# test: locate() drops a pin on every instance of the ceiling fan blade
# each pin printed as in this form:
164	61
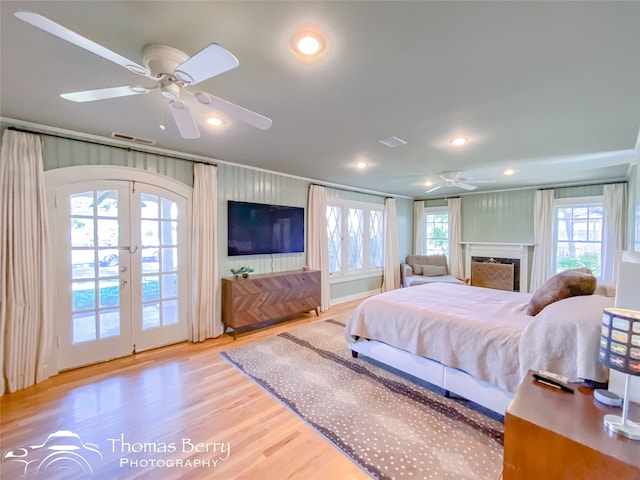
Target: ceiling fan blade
184	120
434	189
234	111
103	93
208	62
466	186
482	181
64	33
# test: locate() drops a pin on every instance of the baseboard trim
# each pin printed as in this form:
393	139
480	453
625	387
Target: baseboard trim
355	296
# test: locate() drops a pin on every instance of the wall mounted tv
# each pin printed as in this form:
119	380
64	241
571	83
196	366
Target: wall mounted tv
258	229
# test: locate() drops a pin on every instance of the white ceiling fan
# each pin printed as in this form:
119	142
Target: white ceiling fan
453	179
172	70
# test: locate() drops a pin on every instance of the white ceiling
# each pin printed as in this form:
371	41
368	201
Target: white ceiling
551	89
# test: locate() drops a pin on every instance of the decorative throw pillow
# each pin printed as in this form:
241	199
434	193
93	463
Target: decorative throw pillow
570	283
417	269
433	270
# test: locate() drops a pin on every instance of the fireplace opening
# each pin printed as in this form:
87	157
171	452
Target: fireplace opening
499	274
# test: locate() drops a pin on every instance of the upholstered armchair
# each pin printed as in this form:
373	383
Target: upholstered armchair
421	269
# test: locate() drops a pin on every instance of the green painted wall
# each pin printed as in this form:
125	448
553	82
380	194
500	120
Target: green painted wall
404	207
499	217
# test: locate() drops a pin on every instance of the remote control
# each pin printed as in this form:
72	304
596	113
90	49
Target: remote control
553	376
552	382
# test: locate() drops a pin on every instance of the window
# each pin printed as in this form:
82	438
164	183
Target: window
436	231
578	234
356	238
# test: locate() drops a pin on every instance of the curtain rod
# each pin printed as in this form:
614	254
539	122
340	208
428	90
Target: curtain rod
103	144
355	190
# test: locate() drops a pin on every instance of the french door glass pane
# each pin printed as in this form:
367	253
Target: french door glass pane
81	204
83	295
170	285
169	259
84	327
109	293
149	229
107	232
149	206
82	232
150	316
169	232
107	203
170	312
150	290
82	263
109	323
169	209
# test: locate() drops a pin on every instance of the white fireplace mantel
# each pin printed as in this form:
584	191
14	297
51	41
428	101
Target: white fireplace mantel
518	251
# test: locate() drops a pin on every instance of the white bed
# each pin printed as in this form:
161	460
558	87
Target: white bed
477	342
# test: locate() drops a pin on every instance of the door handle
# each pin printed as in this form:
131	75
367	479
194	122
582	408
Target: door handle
122	283
135	249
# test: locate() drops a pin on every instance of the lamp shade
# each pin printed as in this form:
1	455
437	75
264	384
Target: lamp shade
620	340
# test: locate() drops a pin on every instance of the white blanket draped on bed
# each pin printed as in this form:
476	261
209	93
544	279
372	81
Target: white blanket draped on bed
486	332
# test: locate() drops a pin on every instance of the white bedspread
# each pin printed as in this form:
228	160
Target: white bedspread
485	332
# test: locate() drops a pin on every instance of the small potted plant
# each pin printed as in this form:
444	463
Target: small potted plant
244	271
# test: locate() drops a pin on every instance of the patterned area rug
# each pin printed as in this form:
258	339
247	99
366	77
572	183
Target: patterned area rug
391	427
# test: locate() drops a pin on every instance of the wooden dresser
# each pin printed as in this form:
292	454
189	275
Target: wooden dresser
557	435
248	302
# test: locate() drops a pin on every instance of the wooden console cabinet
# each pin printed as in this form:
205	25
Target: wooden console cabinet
247	302
550	434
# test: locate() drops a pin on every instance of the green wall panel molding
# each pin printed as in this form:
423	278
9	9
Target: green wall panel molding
500	217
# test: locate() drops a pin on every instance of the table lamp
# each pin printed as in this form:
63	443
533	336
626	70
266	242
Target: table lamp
620	350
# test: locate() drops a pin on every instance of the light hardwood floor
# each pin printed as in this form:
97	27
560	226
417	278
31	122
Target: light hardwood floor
184	397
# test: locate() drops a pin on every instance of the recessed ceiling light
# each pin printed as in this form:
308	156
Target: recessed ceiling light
428	183
459	141
509	171
362	164
309	43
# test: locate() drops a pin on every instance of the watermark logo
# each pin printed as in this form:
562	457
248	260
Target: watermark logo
62	454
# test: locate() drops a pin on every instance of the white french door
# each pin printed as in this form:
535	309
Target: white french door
121	270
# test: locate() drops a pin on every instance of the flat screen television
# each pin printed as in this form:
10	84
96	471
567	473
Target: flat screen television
258	229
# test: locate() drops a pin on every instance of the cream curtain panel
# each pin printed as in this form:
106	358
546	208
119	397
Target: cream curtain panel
543	238
614	227
318	243
391	278
418	227
206	322
456	263
26	276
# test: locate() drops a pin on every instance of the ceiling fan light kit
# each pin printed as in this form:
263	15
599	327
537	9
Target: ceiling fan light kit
171	69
